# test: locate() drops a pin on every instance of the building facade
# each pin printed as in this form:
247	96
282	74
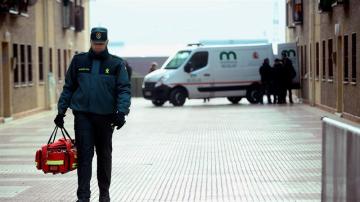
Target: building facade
37	41
327	33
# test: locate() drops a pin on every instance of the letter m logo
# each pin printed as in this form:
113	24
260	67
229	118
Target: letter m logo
288	53
228	55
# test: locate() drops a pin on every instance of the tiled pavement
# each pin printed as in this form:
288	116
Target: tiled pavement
200	152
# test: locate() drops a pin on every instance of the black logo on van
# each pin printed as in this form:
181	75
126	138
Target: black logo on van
288	53
229	55
228	59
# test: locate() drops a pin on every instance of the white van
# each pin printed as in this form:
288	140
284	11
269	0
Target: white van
210	71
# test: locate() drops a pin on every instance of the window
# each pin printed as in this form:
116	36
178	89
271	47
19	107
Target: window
59	63
325	5
198	60
68	14
50	60
330	59
305	61
302	61
15	7
294	13
41	65
310	62
298	11
317	60
178	60
29	59
353	58
22	64
79	18
346	58
324	59
15	63
65	62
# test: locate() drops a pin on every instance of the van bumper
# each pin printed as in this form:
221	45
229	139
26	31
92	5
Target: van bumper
156	93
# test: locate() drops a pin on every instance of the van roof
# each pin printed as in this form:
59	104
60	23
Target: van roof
201	47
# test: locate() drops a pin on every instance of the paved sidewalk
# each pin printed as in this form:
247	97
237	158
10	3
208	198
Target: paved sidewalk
200	152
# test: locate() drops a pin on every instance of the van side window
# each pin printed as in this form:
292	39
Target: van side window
198	60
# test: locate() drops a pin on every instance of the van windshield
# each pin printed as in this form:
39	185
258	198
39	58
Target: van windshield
178	60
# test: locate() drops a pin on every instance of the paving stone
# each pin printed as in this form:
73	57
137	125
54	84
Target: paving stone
212	151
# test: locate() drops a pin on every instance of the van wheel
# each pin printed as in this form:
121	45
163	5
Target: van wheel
178	97
158	103
253	94
234	100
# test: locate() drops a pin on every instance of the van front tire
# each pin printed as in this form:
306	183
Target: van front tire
158	103
178	97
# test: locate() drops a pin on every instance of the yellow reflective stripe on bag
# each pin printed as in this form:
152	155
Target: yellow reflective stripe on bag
74	165
54	163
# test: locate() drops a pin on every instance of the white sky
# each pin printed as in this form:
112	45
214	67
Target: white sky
159	27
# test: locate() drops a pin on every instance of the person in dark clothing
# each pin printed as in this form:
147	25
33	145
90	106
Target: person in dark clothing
97	89
266	80
290	74
279	82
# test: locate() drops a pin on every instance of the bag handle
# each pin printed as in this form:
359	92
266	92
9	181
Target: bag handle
63	132
67	134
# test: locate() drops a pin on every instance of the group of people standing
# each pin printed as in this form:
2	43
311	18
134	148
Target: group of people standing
277	80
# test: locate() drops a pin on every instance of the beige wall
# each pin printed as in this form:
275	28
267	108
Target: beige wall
330	93
42	27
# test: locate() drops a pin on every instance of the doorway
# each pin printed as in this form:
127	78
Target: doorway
5	91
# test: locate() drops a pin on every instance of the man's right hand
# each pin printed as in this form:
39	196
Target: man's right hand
118	120
59	120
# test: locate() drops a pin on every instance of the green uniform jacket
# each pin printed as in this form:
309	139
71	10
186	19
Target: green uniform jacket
99	86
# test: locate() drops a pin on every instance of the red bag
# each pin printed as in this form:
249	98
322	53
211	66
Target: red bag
57	156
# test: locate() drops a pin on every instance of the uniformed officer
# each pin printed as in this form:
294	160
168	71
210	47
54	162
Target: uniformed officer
97	89
290	74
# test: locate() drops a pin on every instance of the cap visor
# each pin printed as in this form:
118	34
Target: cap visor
98	42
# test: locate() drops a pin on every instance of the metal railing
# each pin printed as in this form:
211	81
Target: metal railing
340	161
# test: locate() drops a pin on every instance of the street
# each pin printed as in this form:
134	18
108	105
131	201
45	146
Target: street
212	151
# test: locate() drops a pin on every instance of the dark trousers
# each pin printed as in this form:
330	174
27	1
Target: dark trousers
266	89
92	130
290	95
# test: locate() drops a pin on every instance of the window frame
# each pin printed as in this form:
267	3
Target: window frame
346	59
30	65
330	59
59	73
51	69
15	54
65	61
323	60
317	60
41	64
23	79
353	58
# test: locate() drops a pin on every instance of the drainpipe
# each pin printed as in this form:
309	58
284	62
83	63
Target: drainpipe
46	53
313	52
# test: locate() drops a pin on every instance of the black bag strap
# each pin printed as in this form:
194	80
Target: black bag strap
63	132
53	134
67	134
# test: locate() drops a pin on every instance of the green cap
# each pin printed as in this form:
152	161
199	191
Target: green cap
98	34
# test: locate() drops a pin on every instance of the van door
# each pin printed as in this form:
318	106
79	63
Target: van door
200	79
